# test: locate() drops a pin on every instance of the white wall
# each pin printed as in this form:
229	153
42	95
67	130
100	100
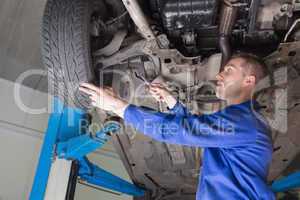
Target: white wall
19	149
21	137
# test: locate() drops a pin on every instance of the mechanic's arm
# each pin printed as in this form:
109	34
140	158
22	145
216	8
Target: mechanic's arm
104	98
192	130
161	94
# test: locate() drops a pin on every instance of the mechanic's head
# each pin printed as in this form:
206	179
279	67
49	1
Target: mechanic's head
239	77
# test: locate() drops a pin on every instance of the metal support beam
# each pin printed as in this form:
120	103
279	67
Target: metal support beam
44	165
97	176
290	182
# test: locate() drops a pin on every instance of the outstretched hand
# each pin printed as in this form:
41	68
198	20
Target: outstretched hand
161	94
104	98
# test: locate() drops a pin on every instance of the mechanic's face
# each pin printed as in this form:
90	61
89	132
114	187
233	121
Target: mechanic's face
231	81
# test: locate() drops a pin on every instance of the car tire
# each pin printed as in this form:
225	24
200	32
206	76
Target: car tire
66	49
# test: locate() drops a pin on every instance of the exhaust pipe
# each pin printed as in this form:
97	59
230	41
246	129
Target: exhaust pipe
139	18
225	49
228	16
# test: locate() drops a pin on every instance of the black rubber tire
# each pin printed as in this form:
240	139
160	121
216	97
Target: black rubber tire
66	49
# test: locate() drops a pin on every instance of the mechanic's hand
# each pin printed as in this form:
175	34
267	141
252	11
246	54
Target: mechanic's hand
160	93
104	98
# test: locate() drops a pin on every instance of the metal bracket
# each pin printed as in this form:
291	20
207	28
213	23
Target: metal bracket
97	176
77	147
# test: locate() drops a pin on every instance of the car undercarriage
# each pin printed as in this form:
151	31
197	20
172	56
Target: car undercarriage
126	44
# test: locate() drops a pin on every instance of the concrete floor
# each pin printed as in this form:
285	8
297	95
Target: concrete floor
20	40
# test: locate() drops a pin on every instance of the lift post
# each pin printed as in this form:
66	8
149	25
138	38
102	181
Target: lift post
63	157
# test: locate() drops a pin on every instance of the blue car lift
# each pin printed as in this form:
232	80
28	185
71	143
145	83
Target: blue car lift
289	182
68	143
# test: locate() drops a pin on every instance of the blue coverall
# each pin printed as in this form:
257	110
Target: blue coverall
236	141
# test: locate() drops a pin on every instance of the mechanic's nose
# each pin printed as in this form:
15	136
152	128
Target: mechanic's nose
219	76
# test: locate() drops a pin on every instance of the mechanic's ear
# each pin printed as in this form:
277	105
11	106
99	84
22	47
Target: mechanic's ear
250	80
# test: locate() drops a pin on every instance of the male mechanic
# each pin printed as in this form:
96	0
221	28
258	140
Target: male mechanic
236	141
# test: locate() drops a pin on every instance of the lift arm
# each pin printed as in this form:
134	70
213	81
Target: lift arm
67	142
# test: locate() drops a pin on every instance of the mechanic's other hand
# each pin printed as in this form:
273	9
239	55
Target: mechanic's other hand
160	93
104	98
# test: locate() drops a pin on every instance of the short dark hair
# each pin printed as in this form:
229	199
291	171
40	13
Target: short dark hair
253	64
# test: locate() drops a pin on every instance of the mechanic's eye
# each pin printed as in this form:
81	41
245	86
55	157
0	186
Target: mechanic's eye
227	69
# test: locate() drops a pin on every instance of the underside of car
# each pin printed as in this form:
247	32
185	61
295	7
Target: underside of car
127	43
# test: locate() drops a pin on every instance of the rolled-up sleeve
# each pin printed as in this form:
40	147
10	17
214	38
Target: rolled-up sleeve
192	130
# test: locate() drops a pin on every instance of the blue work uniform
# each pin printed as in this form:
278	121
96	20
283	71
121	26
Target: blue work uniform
236	141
